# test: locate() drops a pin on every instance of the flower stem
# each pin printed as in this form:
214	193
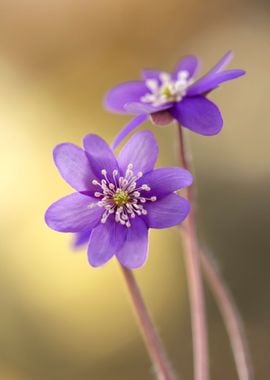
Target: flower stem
221	293
231	318
198	315
148	330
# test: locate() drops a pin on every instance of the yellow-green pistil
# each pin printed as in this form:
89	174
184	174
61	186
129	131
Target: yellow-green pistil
166	91
121	197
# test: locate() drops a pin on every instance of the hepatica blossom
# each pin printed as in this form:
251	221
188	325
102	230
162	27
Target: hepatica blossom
118	199
177	95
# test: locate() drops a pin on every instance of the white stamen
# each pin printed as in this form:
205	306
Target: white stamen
121	197
169	90
164	77
152	84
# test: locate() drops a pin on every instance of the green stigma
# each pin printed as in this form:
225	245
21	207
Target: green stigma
121	197
166	91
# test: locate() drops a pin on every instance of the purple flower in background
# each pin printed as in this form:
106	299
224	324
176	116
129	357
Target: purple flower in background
176	95
117	199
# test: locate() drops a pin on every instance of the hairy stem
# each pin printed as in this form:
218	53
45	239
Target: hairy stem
225	302
192	259
230	316
149	333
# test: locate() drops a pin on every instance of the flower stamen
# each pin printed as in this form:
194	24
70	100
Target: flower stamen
121	197
166	89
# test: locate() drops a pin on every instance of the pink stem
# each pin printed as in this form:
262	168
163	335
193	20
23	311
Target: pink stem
148	330
221	293
230	316
198	315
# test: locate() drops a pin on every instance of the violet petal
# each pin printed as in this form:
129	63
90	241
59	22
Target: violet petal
166	212
124	93
100	155
81	238
105	240
127	129
223	62
189	63
211	81
73	165
133	253
141	151
164	181
145	108
151	74
73	213
199	115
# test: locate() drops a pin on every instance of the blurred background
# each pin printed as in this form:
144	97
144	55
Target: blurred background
60	318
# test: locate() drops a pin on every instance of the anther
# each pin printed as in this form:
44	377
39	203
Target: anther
146	188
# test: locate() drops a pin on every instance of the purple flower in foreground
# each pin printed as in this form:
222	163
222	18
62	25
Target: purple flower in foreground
177	95
117	199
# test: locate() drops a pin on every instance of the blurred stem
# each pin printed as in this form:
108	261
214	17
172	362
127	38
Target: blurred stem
231	318
225	302
192	259
149	333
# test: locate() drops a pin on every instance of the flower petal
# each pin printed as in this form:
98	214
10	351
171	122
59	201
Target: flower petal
223	62
141	151
166	212
199	115
164	181
145	108
211	81
105	240
100	155
124	93
127	129
73	213
81	238
189	63
151	74
134	251
73	165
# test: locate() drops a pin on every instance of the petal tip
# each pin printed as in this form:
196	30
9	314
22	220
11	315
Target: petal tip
49	219
57	150
93	139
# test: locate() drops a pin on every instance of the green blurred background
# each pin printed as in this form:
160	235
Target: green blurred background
59	318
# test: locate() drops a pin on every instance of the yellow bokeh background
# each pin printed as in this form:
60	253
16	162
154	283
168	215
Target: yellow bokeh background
60	318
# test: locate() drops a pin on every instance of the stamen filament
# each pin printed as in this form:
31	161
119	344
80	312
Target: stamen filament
122	197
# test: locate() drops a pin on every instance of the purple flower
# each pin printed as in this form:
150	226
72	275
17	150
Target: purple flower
117	199
176	95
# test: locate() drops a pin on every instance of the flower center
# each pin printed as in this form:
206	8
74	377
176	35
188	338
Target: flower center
167	90
121	196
